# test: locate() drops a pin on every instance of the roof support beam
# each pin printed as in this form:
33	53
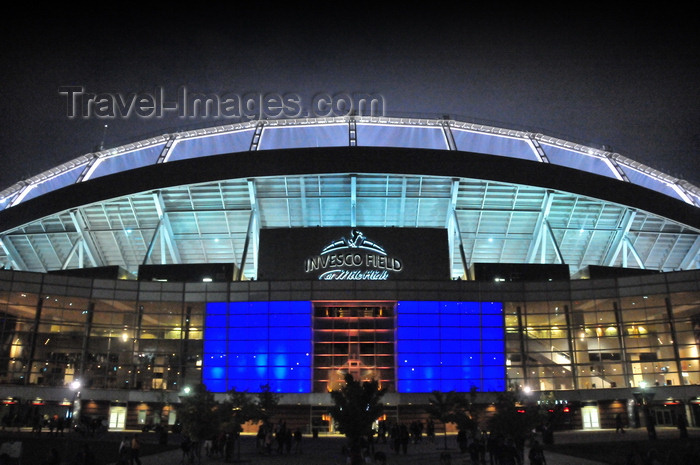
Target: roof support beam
668	254
447	132
537	148
557	250
353	200
88	245
165	229
618	239
149	250
251	233
302	197
452	225
462	253
537	234
352	130
402	208
78	245
15	258
244	257
635	254
38	256
253	193
690	260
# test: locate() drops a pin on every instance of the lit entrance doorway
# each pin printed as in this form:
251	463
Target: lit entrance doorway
355	337
589	415
117	418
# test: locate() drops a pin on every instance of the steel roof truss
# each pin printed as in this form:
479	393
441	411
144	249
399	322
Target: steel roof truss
78	247
402	211
12	254
691	256
618	238
165	230
635	254
557	249
537	236
669	252
88	244
302	197
353	200
452	225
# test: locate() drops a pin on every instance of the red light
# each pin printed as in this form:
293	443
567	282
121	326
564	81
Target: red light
566	409
521	410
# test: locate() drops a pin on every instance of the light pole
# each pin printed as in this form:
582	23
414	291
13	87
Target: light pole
74	413
644	398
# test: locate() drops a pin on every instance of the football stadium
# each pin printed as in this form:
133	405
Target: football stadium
427	254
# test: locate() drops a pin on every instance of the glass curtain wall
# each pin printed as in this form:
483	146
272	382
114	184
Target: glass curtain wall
57	352
128	338
538	349
629	341
51	339
17	314
597	344
686	317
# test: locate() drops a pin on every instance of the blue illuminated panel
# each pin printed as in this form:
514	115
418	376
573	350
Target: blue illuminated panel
447	346
249	344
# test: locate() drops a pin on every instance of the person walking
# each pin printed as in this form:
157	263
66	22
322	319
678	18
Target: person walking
683	426
186	446
536	454
404	438
136	450
297	441
619	427
651	425
124	451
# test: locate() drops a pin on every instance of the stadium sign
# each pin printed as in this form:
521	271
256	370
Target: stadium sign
353	258
353	254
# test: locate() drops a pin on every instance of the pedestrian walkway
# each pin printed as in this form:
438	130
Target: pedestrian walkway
327	450
324	457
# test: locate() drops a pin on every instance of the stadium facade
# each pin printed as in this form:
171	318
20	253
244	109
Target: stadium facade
429	254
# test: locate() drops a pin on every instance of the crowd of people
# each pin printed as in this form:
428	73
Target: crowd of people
475	447
278	437
55	424
130	450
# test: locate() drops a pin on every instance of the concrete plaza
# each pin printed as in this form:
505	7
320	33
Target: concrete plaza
327	450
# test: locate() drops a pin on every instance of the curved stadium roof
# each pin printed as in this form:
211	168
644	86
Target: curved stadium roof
201	196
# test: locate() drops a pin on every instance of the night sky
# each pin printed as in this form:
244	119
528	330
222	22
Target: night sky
630	83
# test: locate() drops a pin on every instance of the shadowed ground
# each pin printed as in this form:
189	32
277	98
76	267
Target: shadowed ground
570	448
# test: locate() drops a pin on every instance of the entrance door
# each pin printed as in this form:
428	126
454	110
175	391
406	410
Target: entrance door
117	418
590	417
664	417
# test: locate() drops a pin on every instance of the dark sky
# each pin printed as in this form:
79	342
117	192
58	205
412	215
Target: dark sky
629	82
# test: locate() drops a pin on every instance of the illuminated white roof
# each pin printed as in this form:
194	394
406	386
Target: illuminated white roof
487	220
